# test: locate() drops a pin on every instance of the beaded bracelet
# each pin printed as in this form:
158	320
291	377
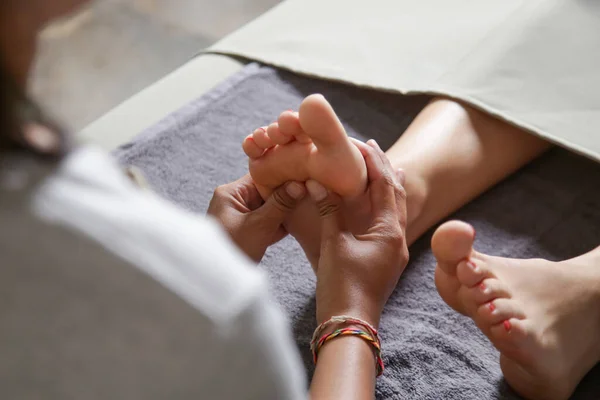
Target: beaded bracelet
369	334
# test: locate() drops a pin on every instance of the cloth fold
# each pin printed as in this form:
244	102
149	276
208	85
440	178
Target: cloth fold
533	63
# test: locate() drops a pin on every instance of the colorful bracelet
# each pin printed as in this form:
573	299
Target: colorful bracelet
369	334
342	319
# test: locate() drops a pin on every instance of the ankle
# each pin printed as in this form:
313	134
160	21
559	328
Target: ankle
417	191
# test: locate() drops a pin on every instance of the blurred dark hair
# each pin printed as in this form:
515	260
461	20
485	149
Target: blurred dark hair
16	110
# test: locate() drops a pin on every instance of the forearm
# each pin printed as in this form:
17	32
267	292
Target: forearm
346	369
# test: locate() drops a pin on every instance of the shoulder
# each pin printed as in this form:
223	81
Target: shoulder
186	252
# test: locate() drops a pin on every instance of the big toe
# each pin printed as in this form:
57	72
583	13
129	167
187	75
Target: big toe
319	121
451	243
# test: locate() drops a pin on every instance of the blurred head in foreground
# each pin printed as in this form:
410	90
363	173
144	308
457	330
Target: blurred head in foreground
20	120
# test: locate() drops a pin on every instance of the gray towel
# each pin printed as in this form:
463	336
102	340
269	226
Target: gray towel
550	209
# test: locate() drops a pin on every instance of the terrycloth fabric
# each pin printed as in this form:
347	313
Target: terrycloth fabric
550	209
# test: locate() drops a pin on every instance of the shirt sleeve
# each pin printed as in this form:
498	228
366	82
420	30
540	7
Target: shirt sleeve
249	351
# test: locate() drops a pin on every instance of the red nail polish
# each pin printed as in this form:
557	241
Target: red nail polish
507	325
491	306
482	287
472	265
290	110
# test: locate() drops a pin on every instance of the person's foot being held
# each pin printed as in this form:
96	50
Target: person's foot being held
543	317
308	144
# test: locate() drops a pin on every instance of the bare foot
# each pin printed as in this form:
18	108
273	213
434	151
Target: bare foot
310	144
543	317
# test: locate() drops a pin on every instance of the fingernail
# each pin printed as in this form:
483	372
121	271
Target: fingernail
472	265
295	190
507	325
491	306
316	190
401	176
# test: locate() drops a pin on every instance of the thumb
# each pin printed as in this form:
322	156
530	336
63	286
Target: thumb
281	202
328	205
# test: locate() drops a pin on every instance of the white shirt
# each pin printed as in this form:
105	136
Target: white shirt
244	348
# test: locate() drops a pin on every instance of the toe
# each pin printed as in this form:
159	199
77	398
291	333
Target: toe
251	149
289	124
262	139
511	331
277	136
486	291
471	298
471	272
452	243
497	311
319	121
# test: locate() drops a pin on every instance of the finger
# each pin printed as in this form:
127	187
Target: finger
400	193
281	202
371	150
244	190
382	185
360	145
328	204
401	176
375	166
387	165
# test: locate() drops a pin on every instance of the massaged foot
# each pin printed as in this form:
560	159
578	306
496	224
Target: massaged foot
543	317
310	144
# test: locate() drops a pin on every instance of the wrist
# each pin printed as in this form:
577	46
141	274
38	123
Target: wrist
370	315
344	327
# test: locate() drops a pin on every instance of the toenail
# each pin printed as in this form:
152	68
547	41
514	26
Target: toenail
482	287
507	325
491	306
472	265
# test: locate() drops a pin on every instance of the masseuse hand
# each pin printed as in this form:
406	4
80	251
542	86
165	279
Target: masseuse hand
357	272
252	223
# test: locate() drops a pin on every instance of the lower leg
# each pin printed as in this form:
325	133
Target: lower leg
451	154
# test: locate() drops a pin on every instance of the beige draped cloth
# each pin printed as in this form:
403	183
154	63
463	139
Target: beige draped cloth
534	63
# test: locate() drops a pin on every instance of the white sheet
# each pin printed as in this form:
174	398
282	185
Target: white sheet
535	63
